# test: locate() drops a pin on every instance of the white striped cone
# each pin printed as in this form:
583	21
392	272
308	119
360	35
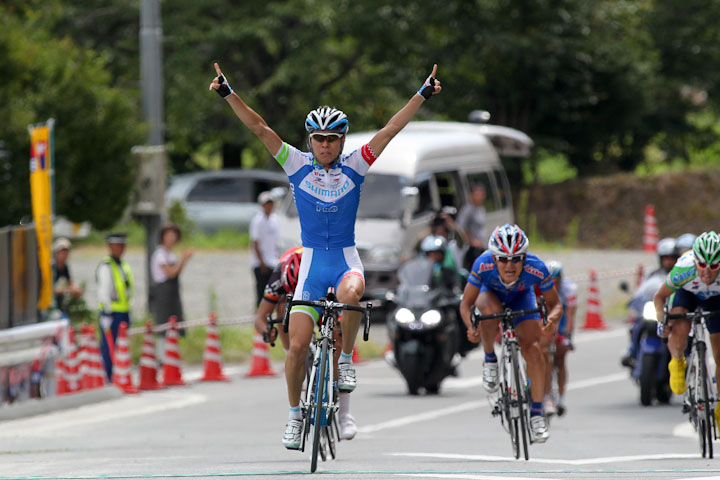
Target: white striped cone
84	357
97	368
260	359
172	364
212	357
148	363
650	233
72	364
121	367
593	314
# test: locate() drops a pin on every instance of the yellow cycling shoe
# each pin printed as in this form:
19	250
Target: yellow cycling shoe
717	413
677	375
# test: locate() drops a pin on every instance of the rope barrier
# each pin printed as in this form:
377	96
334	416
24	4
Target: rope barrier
244	320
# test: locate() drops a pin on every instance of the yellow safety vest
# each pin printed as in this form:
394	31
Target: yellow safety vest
122	286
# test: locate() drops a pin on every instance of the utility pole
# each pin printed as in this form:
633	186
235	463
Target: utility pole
151	182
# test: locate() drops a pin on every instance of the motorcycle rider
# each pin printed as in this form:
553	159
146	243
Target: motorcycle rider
444	273
668	254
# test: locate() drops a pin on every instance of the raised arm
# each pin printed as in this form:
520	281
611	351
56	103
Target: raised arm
247	115
403	117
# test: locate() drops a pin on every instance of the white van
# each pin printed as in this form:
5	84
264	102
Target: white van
427	166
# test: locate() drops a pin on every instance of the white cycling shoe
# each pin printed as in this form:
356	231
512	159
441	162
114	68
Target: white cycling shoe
293	434
538	429
490	377
549	407
347	380
348	429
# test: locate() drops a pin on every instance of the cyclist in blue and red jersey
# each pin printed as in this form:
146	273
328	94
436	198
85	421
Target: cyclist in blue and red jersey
326	186
504	277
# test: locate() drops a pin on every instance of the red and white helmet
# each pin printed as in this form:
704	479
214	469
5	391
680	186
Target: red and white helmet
508	240
290	270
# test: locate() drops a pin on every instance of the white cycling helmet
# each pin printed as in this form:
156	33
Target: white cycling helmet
685	242
326	119
508	240
555	268
707	248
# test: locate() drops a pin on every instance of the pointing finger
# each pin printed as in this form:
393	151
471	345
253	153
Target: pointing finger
217	69
434	71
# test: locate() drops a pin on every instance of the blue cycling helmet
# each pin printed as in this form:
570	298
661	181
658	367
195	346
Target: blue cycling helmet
555	268
326	119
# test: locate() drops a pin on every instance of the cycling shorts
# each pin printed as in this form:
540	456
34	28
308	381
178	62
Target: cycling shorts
517	300
687	300
321	269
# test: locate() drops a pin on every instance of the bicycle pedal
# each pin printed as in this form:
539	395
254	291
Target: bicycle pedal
685	408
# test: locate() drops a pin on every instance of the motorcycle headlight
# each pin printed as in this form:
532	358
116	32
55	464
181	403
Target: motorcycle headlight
404	316
649	311
384	255
431	318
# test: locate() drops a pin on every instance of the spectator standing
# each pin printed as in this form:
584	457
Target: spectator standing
115	289
471	223
264	236
165	268
63	285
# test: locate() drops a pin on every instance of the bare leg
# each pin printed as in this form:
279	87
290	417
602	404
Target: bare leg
301	330
350	291
528	334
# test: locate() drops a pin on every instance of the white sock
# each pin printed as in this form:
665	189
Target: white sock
344	401
295	413
345	358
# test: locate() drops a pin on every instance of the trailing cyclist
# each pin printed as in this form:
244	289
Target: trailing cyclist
326	186
503	277
567	292
693	282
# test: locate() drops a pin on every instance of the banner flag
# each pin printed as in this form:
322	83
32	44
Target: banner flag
41	171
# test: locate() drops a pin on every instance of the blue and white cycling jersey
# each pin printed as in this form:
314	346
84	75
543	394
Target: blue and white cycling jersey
327	201
521	295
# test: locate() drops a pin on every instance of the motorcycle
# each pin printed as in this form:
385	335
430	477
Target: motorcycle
650	365
424	328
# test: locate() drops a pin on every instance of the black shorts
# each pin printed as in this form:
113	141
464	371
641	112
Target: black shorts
685	299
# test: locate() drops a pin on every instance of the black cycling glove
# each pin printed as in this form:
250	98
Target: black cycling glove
427	88
224	89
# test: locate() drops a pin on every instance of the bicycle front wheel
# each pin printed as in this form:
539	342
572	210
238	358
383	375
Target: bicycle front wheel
706	430
318	407
522	396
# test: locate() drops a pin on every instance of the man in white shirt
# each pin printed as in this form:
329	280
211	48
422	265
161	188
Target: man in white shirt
264	235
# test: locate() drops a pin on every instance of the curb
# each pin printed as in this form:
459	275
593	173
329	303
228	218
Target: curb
33	407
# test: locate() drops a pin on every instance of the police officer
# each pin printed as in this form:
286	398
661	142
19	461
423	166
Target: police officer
115	289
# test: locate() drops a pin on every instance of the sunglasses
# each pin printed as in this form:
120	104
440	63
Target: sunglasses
513	259
330	137
703	265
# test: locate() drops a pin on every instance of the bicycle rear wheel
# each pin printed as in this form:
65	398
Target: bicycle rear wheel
318	407
521	385
706	432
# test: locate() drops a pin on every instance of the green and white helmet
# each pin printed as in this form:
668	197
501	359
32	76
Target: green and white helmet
707	248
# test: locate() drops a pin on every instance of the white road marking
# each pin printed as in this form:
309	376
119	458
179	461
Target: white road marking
433	414
128	406
582	461
466	476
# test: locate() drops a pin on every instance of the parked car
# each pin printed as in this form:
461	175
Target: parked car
216	199
427	167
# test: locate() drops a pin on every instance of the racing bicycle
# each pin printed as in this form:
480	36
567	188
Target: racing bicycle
321	399
700	395
513	402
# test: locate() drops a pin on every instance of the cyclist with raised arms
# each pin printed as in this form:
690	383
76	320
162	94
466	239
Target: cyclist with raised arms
504	277
326	185
695	283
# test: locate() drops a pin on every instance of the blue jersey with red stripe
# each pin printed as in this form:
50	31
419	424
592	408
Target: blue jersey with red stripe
485	275
327	201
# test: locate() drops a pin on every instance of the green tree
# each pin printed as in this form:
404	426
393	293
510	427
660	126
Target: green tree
96	125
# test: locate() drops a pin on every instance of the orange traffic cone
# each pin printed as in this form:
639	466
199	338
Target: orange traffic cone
260	359
85	379
97	369
593	315
148	363
650	235
121	367
212	358
172	368
356	358
72	364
